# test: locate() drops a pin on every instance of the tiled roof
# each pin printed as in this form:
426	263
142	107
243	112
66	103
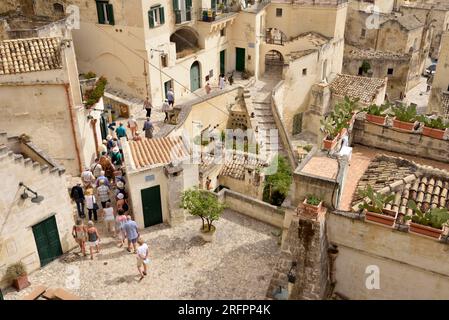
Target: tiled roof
410	22
149	152
370	54
427	186
314	38
364	88
29	55
235	166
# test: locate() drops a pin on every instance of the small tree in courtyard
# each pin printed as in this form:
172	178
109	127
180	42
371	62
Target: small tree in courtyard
278	184
203	204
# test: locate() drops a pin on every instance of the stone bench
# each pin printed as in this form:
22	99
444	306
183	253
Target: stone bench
36	293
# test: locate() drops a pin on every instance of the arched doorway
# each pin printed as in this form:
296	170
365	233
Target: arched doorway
186	41
195	76
274	63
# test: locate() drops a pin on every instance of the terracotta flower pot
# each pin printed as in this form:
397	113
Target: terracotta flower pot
375	119
406	126
310	210
21	282
425	230
387	218
433	133
330	144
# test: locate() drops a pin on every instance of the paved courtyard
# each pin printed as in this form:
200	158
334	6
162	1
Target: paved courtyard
237	265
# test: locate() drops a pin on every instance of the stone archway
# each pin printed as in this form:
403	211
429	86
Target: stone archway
186	41
274	63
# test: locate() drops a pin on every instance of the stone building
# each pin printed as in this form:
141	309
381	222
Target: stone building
158	170
40	90
380	42
439	96
35	228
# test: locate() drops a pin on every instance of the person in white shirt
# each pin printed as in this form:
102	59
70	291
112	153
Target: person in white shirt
96	168
132	125
109	218
91	204
87	177
142	257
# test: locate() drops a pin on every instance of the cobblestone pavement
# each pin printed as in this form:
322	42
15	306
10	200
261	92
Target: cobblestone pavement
237	265
419	95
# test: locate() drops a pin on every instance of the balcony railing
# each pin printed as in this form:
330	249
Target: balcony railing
180	18
211	15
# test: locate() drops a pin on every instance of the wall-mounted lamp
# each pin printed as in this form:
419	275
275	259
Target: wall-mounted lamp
36	199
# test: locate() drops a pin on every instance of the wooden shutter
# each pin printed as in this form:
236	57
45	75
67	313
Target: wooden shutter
213	4
175	5
151	18
161	15
100	12
188	4
110	14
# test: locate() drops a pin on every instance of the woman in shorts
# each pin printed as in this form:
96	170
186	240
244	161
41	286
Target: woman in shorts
79	232
93	238
120	221
109	218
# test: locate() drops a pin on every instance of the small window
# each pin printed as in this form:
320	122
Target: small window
156	16
105	13
447	88
360	71
278	12
223	32
390	71
164	60
57	7
304	71
363	33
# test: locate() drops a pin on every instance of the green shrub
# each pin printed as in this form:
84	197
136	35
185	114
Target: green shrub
90	75
94	95
405	113
376	110
438	123
313	200
376	201
15	271
434	217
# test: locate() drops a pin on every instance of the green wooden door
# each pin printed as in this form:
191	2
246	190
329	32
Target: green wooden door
46	236
151	204
222	61
240	59
195	82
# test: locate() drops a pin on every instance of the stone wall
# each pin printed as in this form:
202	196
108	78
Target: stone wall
380	137
256	209
409	266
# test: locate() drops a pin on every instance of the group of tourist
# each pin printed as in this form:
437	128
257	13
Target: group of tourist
102	194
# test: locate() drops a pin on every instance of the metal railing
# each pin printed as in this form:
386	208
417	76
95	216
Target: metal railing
211	15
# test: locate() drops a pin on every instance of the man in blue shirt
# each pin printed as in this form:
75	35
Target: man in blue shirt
121	131
131	233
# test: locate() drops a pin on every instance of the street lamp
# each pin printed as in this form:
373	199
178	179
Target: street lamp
36	199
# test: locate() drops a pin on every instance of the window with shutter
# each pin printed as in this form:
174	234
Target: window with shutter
110	11
100	12
161	15
151	18
213	4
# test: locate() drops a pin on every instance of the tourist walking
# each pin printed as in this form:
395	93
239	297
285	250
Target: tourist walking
132	125
132	233
208	88
142	257
137	137
77	195
93	239
109	143
121	202
87	178
120	221
96	168
107	166
104	178
148	128
121	131
147	106
103	193
222	81
109	219
91	204
171	97
79	232
103	148
116	157
166	109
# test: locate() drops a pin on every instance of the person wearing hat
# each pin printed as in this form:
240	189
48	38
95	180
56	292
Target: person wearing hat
93	238
91	204
121	203
103	147
137	137
109	143
132	125
116	157
166	108
148	128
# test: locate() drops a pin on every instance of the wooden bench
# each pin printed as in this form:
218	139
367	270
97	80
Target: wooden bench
36	293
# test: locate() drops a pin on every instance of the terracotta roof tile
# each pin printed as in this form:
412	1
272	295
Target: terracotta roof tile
364	88
29	55
148	152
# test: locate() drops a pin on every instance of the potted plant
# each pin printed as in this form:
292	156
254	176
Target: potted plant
429	223
434	128
328	126
312	206
373	205
375	113
205	205
17	274
405	117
